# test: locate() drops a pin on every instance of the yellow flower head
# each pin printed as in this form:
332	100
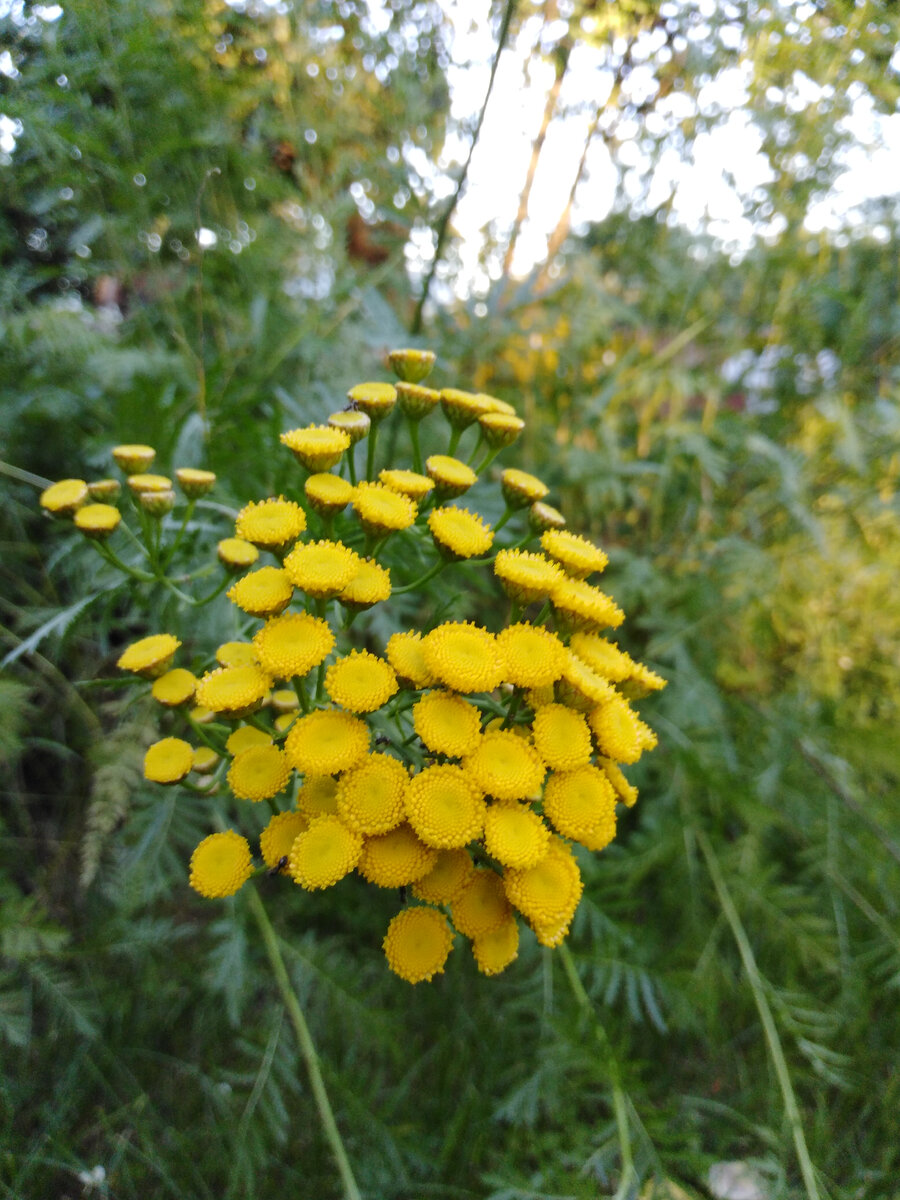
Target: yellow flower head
551	933
543	516
352	422
582	688
405	654
236	654
515	835
616	728
640	682
326	742
416	401
270	523
263	593
446	879
175	687
65	497
525	576
581	804
150	656
506	766
451	477
374	399
292	644
561	737
577	556
371	585
447	724
463	656
97	520
411	366
278	837
155	501
495	951
316	447
221	864
244	737
407	483
481	906
205	760
318	795
106	490
459	533
195	482
134	458
370	797
417	944
381	510
462	408
322	569
324	853
168	761
623	789
259	773
233	690
602	656
500	429
149	484
236	554
549	892
445	807
360	681
582	606
520	489
328	493
534	656
394	859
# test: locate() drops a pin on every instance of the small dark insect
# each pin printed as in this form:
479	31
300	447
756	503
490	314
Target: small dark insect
403	894
279	866
383	740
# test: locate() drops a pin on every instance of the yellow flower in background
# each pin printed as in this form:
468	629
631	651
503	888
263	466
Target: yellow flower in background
277	839
195	482
496	950
244	737
133	458
97	520
481	906
236	654
236	554
451	477
411	366
406	655
446	879
616	728
175	687
577	556
602	656
221	865
318	795
370	585
520	489
416	401
396	858
582	606
328	494
408	483
374	399
526	577
462	408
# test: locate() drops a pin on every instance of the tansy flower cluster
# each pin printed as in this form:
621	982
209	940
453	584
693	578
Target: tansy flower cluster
466	761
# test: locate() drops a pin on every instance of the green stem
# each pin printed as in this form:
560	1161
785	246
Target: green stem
113	559
509	512
414	439
455	435
629	1179
307	1048
170	553
488	459
757	985
417	583
370	451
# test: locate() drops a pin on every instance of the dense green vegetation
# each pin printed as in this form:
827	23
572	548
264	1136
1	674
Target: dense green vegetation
726	428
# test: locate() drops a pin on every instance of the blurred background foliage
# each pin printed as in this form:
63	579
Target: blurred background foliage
213	219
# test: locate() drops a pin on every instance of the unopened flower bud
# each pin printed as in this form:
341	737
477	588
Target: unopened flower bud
194	482
132	459
411	366
157	504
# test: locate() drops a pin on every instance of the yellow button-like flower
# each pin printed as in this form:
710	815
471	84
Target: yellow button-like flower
236	654
445	807
324	853
561	737
292	644
416	401
462	408
326	742
543	516
271	523
221	864
205	760
168	760
515	835
66	497
504	765
259	773
277	839
623	789
318	795
411	366
328	493
149	484
374	399
616	727
233	690
446	879
481	906
106	490
548	892
150	656
371	585
395	859
602	656
533	656
244	737
417	944
381	510
581	804
640	681
451	477
520	489
360	681
97	520
370	797
133	458
582	688
316	447
263	593
459	533
447	724
405	653
175	687
500	429
322	569
408	483
496	950
582	606
352	422
236	554
577	556
195	482
526	577
463	656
